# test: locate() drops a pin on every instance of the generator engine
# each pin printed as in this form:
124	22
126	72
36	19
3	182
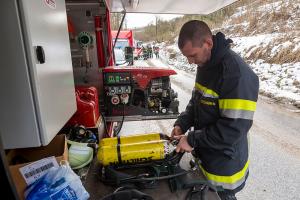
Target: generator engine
161	95
137	91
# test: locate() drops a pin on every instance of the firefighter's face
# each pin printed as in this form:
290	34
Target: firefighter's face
197	54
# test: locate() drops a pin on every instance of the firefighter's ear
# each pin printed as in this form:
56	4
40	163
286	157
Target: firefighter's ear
209	42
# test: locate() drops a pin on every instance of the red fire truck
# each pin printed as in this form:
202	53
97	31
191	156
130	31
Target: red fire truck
126	39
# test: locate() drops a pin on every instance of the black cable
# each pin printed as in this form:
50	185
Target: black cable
105	125
119	30
122	121
112	51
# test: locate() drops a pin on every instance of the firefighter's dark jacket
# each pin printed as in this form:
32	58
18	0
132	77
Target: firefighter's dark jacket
221	111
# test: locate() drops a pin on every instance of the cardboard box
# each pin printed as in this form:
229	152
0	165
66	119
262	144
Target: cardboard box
57	147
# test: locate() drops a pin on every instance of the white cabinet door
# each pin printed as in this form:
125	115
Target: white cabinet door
45	27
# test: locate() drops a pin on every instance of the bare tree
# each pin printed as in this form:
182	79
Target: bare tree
116	19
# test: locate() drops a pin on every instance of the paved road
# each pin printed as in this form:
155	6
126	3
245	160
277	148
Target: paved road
274	153
274	146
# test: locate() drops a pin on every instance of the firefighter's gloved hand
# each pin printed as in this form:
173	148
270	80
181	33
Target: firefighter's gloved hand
183	145
176	132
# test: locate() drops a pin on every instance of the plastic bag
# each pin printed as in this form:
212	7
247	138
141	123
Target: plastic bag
59	183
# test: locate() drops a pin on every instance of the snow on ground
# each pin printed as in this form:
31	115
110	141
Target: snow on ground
270	7
242	44
276	80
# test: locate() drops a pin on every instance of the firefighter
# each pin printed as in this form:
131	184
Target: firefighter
149	51
156	51
220	110
145	53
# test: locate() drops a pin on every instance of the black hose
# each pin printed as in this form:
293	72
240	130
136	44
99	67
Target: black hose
132	180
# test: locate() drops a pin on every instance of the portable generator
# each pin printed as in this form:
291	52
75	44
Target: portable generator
139	92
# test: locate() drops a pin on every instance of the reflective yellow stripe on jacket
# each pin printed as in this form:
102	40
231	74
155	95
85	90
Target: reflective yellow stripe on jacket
237	108
227	182
205	91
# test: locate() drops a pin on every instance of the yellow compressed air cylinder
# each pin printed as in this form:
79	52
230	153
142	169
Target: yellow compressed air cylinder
133	139
133	149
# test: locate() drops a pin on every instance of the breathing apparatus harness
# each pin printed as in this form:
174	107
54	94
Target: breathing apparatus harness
150	174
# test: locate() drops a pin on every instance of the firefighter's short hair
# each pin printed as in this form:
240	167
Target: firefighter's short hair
195	31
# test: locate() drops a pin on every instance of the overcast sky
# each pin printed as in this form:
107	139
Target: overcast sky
135	20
